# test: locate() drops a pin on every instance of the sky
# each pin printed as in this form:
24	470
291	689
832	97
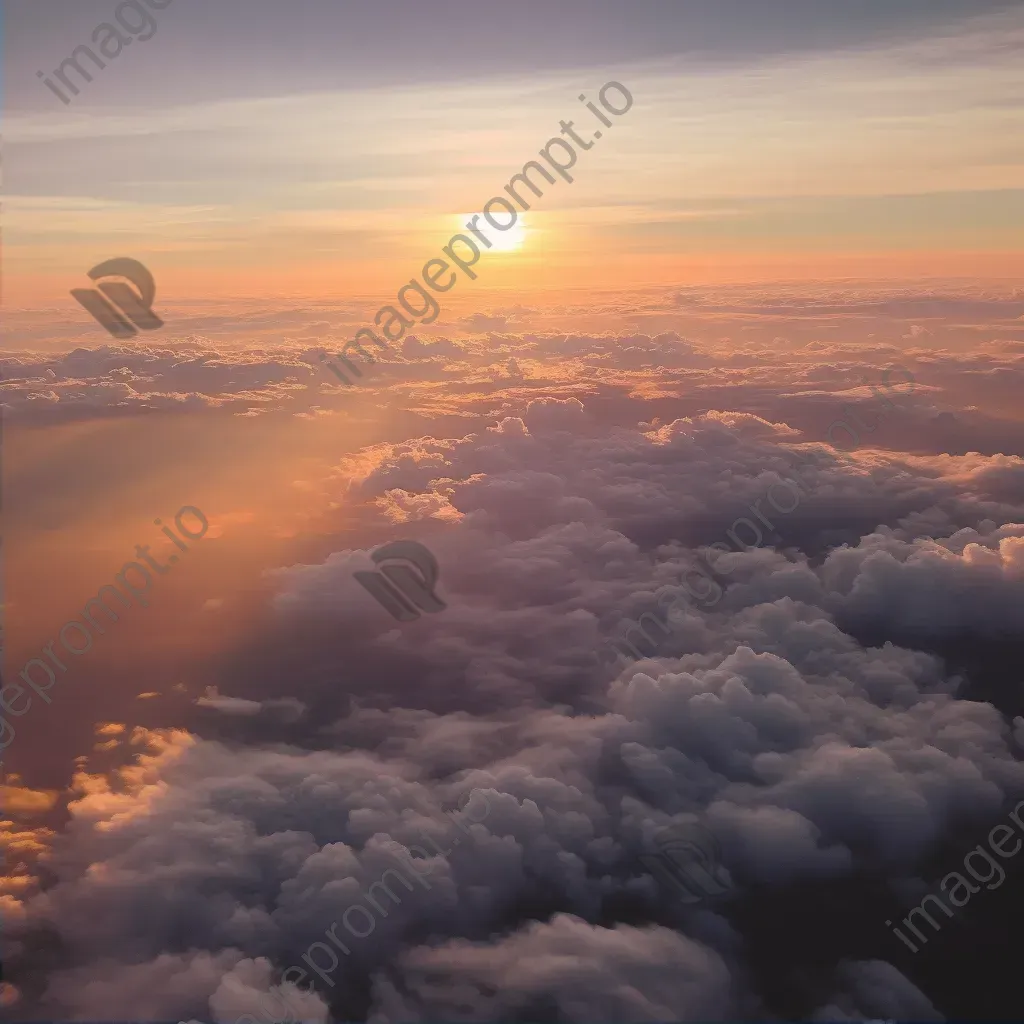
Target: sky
751	380
324	151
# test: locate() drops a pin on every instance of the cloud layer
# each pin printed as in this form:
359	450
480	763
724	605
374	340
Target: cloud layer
838	709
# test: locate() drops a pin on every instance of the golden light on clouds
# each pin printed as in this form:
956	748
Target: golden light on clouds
21	801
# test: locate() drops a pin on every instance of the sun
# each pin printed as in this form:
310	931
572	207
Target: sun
512	239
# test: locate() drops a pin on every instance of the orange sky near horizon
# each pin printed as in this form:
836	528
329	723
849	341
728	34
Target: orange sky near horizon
898	159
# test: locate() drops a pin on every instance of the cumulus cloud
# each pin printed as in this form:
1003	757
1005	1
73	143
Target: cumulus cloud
815	704
287	709
876	990
589	973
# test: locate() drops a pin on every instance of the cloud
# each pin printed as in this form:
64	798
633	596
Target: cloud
832	712
876	990
486	322
589	973
286	709
25	802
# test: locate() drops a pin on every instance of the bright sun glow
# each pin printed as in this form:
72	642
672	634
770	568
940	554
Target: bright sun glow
510	240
